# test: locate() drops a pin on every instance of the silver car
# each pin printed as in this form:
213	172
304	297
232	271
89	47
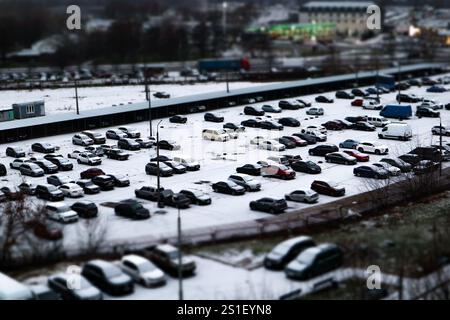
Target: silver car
248	182
307	196
142	271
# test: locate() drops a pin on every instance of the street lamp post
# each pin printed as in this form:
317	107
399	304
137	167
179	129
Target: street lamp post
149	99
180	259
76	97
440	144
158	175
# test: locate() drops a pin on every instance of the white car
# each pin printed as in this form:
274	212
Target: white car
215	135
233	134
321	129
74	154
130	132
393	171
188	163
371	105
372	147
82	140
142	271
271	145
257	140
71	190
315	133
89	159
116	134
61	212
17	163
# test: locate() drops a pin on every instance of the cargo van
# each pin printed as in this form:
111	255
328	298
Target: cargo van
396	130
11	289
397	112
378	121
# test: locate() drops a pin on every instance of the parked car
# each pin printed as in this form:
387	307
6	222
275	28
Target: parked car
27	188
62	285
15	152
253	111
128	144
116	134
289	105
71	190
349	144
85	209
88	187
298	142
427	112
108	277
60	212
97	137
399	131
117	154
358	155
285	252
303	103
328	188
144	143
105	182
322	150
175	200
436	89
234	127
288	143
341	158
315	112
161	95
392	170
323	99
47	166
306	167
82	140
270	205
409	98
150	193
306	196
333	125
91	173
250	169
398	163
188	163
425	166
120	180
289	122
49	193
178	119
160	158
89	159
131	209
164	170
63	164
17	163
142	271
344	95
278	171
249	183
131	133
168	145
167	258
363	126
228	187
320	137
359	93
251	123
211	117
441	130
215	135
197	197
31	169
43	147
315	261
270	125
412	159
371	171
271	145
310	140
59	180
372	147
428	153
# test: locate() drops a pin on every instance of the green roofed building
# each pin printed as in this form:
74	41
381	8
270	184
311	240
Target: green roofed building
297	31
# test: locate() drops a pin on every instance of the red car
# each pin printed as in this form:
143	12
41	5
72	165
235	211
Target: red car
358	103
298	142
358	155
92	173
45	232
333	125
278	171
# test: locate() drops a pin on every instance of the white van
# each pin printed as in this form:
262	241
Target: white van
396	130
378	121
11	289
216	135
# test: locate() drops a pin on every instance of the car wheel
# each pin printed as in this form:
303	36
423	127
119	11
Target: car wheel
79	162
272	211
377	152
361	150
358	174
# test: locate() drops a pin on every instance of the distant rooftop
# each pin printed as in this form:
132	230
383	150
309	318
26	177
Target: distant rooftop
338	4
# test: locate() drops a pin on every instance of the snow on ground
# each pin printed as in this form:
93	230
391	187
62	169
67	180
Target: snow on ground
225	209
63	100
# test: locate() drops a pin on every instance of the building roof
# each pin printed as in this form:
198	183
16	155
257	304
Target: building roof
338	4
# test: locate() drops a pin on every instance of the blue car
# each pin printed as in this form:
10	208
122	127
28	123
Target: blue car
436	89
371	172
349	144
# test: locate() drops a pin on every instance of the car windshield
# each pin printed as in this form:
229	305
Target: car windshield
310	163
284	168
52	188
146	267
63	208
198	193
173	254
112	272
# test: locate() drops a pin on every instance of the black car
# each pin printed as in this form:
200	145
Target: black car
144	143
47	166
359	93
120	180
160	159
63	164
3	171
117	154
344	95
97	137
289	144
288	105
273	206
428	153
271	109
167	145
175	200
176	167
356	119
287	251
27	188
306	167
108	277
15	152
152	169
62	286
43	148
228	187
88	187
340	158
363	126
371	172
403	97
49	193
85	209
310	139
322	150
402	86
425	166
289	122
148	193
104	182
197	197
323	99
398	163
161	95
251	123
427	112
233	127
129	144
411	159
252	111
131	209
178	119
250	169
269	125
211	117
57	181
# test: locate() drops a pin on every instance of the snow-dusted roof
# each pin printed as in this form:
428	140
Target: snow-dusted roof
201	99
338	4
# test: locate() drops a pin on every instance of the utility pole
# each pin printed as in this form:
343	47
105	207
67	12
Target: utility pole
228	82
399	77
149	99
180	259
76	97
440	145
158	175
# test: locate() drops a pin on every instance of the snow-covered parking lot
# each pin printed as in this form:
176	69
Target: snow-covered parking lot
225	209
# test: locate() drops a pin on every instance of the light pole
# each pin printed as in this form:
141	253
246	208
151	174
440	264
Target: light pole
158	176
149	99
76	97
180	259
440	144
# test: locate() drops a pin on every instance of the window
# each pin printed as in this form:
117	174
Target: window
30	109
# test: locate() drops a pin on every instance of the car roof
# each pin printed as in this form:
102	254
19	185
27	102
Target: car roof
166	248
102	264
135	259
295	240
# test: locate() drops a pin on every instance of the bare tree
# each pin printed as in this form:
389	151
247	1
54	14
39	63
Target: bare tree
92	235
